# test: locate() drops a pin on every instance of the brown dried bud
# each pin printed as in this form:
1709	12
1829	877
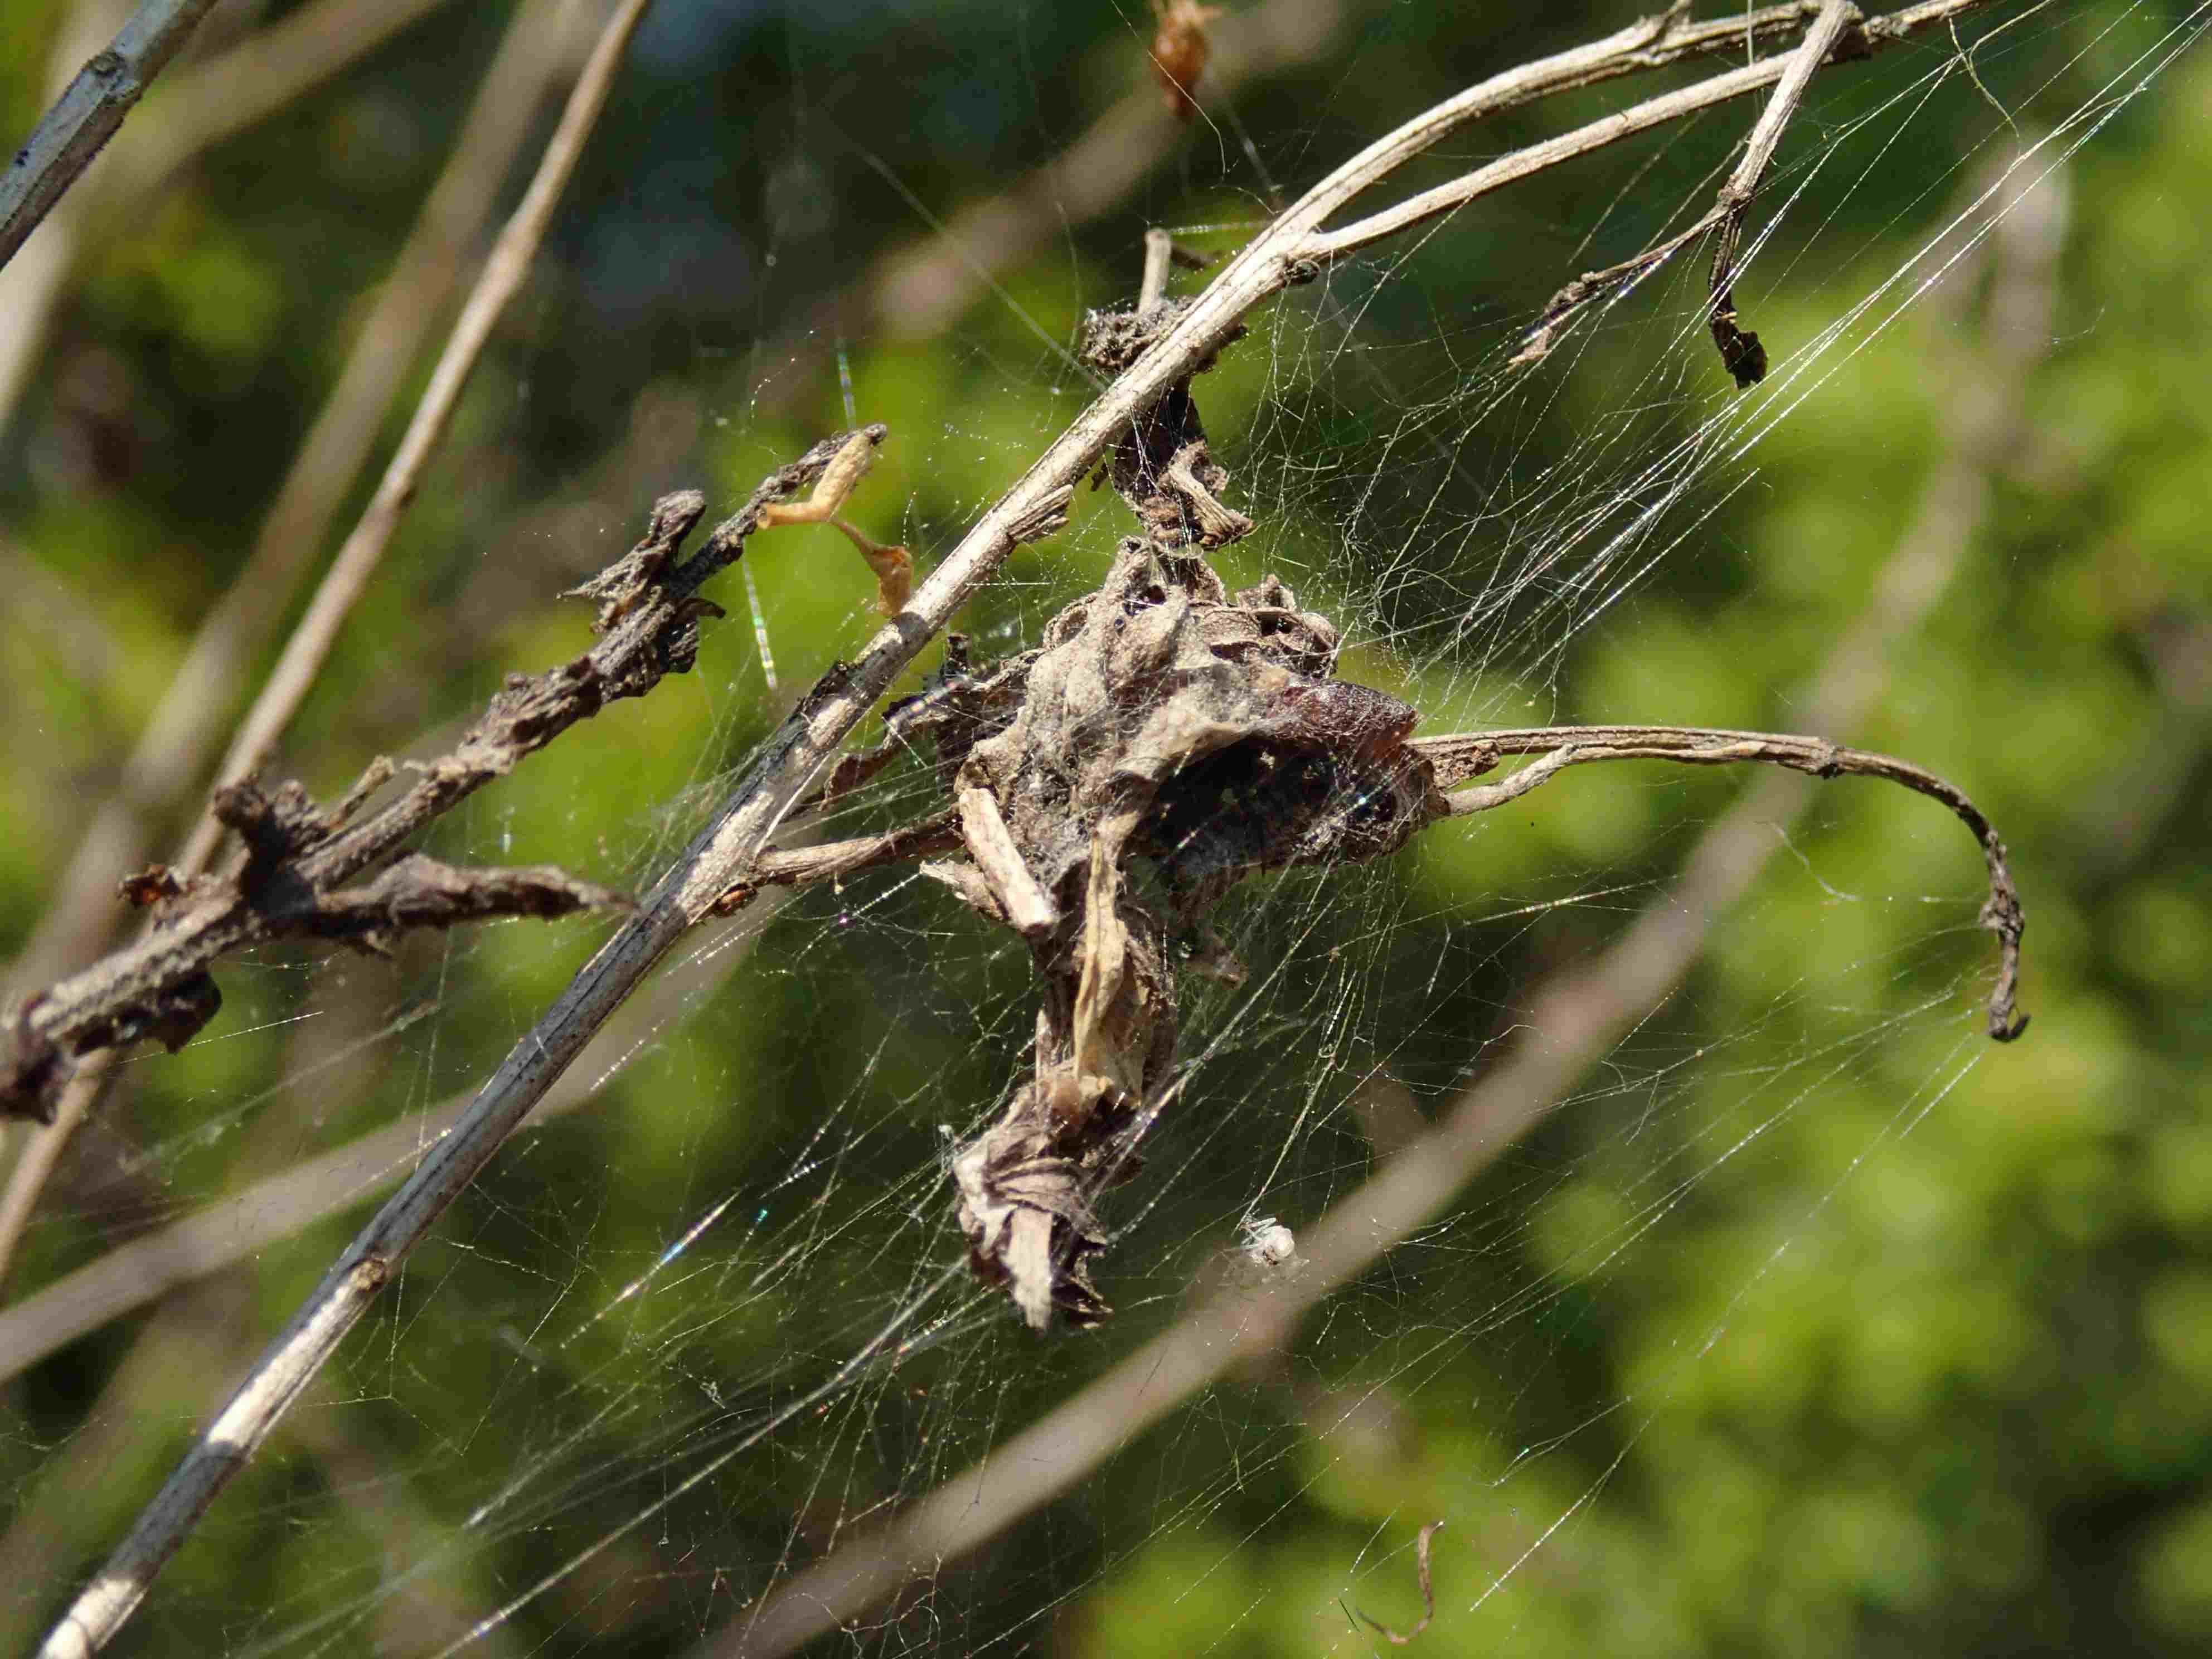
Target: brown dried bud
1180	49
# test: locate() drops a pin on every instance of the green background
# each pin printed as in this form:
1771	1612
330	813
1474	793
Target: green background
1815	1324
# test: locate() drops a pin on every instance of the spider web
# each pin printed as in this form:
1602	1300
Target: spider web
706	1325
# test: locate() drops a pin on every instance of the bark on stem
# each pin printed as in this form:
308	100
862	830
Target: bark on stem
85	117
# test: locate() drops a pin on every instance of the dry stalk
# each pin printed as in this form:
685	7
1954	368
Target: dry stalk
1292	249
199	105
1742	354
173	750
1837	31
916	292
1561	746
238	1227
85	117
171	755
339	873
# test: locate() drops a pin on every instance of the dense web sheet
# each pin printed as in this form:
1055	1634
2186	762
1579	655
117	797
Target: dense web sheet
704	1338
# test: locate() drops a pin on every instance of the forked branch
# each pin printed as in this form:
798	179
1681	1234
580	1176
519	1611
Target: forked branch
332	874
85	117
1833	37
1740	350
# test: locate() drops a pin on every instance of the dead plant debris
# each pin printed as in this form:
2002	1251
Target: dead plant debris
1164	727
1166	722
342	873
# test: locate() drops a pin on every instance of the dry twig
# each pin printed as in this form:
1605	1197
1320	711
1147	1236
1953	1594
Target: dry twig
916	292
335	874
1744	357
238	1227
87	114
1561	746
1563	308
173	750
200	104
1741	354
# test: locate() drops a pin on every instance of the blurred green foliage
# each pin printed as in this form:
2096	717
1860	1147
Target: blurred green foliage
1813	1326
